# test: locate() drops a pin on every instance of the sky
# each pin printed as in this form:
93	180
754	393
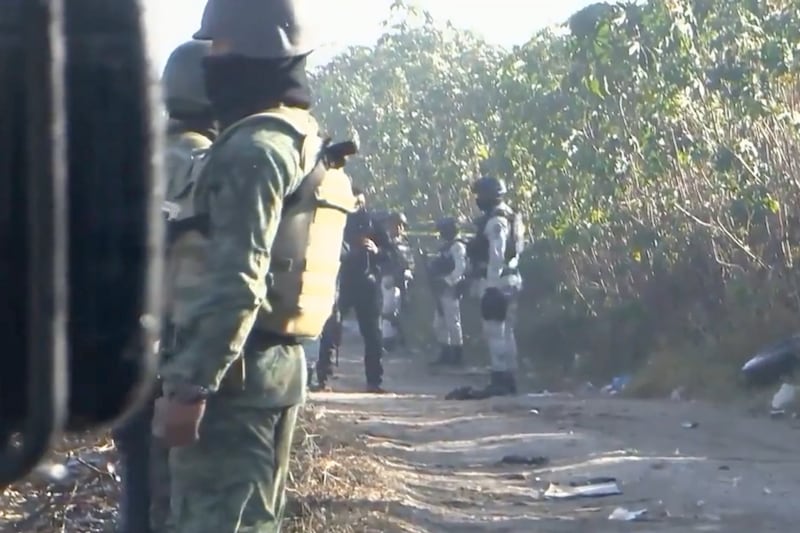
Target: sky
358	22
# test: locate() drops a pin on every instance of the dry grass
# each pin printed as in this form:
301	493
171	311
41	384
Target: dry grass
83	502
334	486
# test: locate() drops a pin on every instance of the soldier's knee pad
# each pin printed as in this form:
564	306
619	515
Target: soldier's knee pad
494	305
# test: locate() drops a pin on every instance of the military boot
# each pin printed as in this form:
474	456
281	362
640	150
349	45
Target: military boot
444	357
457	355
511	383
495	386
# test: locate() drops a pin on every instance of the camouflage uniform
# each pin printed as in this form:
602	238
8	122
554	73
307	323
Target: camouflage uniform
233	478
189	131
448	267
494	255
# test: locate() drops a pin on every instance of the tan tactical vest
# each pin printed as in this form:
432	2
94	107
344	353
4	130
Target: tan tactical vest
185	261
307	246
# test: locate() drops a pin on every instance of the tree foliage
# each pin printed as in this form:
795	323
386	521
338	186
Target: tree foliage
652	147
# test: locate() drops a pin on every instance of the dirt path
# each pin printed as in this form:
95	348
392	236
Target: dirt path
443	472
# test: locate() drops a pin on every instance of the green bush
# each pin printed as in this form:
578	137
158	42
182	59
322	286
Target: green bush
652	148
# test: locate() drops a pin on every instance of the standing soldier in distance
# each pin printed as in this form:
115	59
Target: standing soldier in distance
398	274
404	262
494	255
190	131
330	340
448	268
368	255
274	202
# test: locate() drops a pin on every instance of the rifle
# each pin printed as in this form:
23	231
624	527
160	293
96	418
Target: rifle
338	334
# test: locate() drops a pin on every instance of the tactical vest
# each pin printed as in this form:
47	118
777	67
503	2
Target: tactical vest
305	254
478	247
444	263
186	242
405	257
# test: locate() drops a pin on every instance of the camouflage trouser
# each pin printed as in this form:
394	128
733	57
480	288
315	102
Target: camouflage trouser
447	319
233	479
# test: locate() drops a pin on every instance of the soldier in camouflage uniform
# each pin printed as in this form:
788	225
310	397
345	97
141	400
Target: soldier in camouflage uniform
494	254
190	132
272	202
447	270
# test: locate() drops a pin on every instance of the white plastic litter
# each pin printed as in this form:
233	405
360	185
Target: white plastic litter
784	397
624	515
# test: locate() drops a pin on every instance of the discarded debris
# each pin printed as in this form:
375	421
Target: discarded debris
617	385
50	472
784	397
591	488
624	515
529	460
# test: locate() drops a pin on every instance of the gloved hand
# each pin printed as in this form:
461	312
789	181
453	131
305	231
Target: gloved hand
178	413
370	246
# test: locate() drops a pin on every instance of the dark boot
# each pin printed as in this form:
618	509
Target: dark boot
457	355
511	383
322	379
495	386
444	357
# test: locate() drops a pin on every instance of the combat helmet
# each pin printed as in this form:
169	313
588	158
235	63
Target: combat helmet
183	82
447	227
489	187
262	29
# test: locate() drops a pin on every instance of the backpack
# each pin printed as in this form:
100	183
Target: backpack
186	241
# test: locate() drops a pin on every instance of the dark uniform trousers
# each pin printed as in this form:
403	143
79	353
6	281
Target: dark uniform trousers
363	296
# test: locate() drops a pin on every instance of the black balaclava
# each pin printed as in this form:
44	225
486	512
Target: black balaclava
448	234
487	203
241	86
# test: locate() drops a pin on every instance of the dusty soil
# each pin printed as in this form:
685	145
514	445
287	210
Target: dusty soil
411	461
442	466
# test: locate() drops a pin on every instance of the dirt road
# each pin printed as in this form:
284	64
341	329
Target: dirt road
443	469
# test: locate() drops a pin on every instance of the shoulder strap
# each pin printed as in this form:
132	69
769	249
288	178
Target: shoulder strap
298	120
